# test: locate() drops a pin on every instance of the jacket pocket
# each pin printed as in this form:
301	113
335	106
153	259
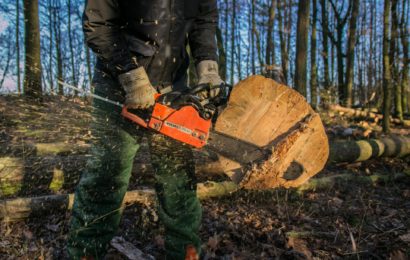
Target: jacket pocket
139	47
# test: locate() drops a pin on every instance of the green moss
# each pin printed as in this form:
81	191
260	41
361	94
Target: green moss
9	188
58	180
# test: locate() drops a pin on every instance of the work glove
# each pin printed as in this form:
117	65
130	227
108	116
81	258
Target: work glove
207	72
140	94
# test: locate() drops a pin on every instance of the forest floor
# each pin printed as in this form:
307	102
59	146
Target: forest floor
344	221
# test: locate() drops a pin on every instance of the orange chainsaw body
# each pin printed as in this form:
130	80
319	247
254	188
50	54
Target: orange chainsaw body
184	124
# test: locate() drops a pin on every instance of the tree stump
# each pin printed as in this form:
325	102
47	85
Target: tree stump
277	119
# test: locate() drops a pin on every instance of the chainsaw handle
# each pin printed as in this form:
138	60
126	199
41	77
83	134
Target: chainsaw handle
133	117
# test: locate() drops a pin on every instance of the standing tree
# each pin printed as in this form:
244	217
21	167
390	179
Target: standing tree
18	46
70	42
393	60
386	68
233	40
301	46
350	52
283	36
325	55
270	48
405	83
337	42
313	69
32	69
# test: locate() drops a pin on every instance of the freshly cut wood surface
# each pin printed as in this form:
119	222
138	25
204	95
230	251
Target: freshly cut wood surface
277	118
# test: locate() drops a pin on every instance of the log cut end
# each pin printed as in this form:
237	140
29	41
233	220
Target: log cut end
277	118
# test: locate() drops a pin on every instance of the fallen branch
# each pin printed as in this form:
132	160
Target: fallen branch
329	181
365	113
22	208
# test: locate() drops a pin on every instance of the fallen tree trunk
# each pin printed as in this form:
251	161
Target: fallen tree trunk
50	170
328	182
357	151
366	114
22	208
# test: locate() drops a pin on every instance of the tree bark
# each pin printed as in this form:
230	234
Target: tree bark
301	47
357	151
270	59
366	114
398	110
386	67
350	53
50	50
22	208
70	42
253	29
233	41
57	37
313	65
18	46
283	40
405	82
222	54
325	51
32	68
18	209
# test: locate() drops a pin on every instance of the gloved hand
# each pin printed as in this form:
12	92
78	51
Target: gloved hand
139	91
207	72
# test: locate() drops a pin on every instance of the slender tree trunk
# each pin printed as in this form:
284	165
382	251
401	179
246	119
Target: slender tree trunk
239	55
70	42
222	54
57	37
32	69
313	69
269	60
283	48
350	53
233	41
393	51
405	83
325	51
88	60
50	50
288	26
386	67
253	26
301	46
10	51
340	67
18	46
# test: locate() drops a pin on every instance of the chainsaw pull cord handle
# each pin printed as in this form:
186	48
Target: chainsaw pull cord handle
135	118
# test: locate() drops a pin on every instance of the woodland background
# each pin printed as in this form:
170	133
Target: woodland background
349	58
355	53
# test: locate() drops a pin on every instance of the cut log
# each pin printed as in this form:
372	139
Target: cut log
279	120
328	182
366	114
22	208
357	151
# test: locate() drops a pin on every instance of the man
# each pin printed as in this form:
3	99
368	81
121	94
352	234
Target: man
141	50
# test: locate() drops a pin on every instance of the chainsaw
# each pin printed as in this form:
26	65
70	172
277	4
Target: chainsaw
184	116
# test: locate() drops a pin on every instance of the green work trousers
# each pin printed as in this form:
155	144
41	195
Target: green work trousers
100	192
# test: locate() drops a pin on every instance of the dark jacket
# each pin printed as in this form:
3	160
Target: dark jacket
151	33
